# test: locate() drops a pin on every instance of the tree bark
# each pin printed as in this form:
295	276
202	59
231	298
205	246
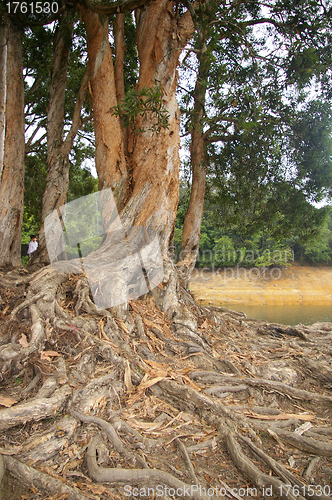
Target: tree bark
119	55
57	179
192	222
145	181
109	153
119	45
12	181
58	148
3	66
161	36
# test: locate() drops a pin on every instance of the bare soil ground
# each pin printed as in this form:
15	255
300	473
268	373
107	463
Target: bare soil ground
96	403
292	285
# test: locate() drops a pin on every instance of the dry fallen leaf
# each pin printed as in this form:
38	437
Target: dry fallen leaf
148	383
3	312
23	341
148	426
7	401
51	353
46	355
127	378
95	488
149	324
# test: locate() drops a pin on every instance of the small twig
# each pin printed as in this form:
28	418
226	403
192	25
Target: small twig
187	460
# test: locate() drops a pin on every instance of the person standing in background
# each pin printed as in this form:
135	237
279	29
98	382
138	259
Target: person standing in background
33	245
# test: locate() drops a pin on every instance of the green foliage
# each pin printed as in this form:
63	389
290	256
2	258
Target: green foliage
319	250
311	145
144	103
81	181
224	245
34	186
130	67
266	117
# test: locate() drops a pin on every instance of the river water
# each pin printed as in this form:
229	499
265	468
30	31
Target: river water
287	315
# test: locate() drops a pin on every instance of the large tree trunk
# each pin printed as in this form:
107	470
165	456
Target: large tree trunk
12	181
109	153
3	67
119	45
150	195
161	35
145	183
58	148
192	222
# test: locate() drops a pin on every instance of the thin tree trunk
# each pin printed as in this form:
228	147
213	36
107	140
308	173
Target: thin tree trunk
12	181
58	148
119	46
193	219
3	66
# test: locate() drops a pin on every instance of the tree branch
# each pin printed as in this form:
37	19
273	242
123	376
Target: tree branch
68	142
117	7
31	147
219	138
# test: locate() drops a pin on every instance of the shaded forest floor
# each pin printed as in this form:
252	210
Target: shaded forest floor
96	403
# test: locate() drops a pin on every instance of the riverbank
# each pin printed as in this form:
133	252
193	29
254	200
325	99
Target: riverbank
295	285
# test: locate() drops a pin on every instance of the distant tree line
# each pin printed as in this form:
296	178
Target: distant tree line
224	244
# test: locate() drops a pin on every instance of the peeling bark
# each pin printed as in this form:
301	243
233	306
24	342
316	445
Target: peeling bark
12	181
145	184
109	154
3	67
161	35
192	222
119	61
119	55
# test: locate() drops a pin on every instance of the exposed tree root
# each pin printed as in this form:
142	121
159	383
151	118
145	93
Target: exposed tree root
312	446
282	472
113	437
44	482
140	477
253	473
268	384
188	396
35	409
2	471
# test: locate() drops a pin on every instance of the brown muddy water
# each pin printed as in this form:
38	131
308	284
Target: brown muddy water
298	294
